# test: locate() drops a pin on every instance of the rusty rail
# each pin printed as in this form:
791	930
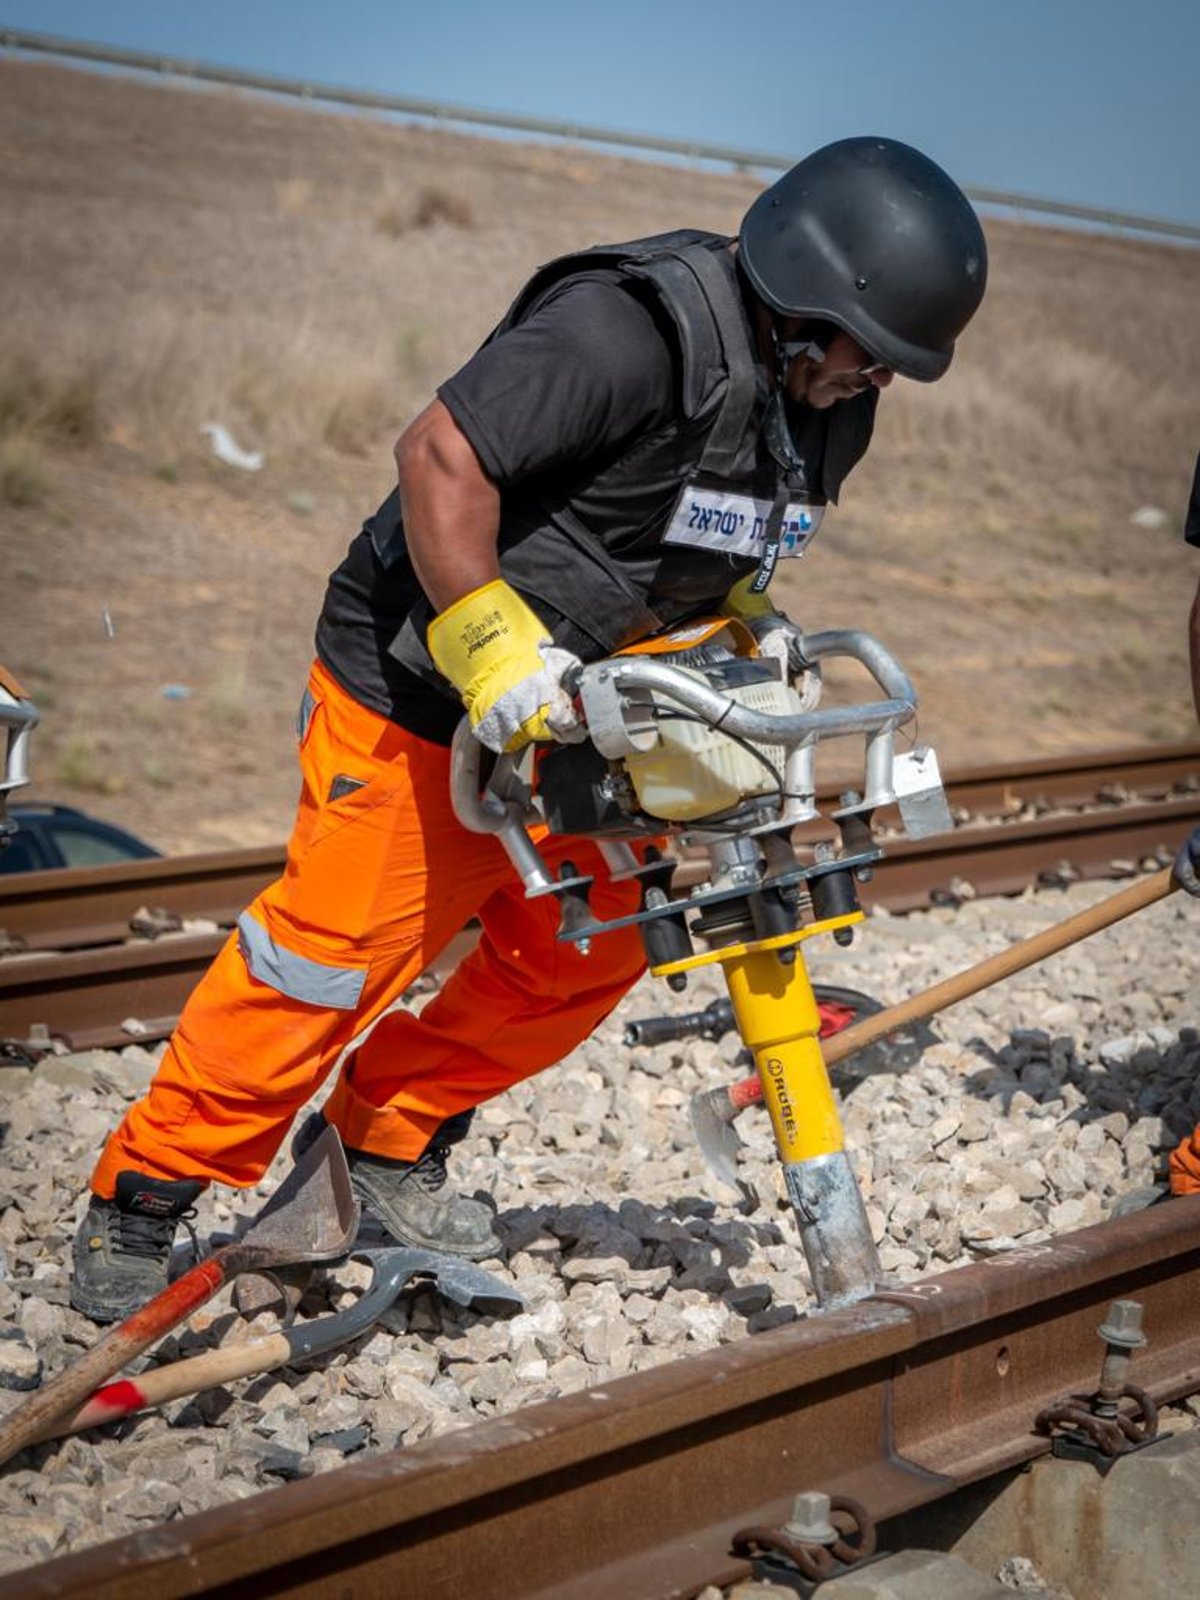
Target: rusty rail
81	906
638	1488
1007	859
1154	771
112	993
93	906
116	995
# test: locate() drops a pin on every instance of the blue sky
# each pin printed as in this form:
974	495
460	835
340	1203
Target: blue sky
1088	101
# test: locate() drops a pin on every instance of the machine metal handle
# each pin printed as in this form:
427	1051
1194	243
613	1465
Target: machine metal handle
628	674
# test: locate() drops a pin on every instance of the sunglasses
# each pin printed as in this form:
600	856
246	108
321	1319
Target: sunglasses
815	346
777	431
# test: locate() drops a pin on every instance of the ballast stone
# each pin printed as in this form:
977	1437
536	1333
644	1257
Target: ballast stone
628	1198
920	1575
20	1364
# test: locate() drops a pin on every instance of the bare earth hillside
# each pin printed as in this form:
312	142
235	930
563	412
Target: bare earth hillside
171	258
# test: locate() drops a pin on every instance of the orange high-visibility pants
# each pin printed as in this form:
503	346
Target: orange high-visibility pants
380	877
1185	1165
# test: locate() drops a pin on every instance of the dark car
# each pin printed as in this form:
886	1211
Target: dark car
60	836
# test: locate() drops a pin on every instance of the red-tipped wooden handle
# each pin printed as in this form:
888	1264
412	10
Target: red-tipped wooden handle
205	1371
115	1350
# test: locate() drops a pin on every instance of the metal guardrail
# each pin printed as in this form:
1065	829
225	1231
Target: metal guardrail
17	39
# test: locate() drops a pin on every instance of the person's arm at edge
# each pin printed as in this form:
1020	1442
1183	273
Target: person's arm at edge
1191	532
451	508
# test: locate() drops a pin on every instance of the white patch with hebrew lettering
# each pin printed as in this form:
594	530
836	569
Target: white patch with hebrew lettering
735	524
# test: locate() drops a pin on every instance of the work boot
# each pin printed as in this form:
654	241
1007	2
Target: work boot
406	1197
123	1245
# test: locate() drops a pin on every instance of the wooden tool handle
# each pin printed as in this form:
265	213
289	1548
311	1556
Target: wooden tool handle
171	1382
118	1347
745	1092
1015	959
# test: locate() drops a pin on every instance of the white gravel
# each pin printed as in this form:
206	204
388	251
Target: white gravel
1045	1099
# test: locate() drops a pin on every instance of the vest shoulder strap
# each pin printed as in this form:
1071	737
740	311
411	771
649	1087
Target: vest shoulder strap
728	434
698	290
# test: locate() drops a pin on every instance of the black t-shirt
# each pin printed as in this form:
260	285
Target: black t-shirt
591	369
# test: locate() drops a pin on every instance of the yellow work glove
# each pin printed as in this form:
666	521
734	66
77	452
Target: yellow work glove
500	657
774	633
744	605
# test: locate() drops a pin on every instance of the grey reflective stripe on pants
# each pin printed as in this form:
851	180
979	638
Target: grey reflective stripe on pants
299	977
304	716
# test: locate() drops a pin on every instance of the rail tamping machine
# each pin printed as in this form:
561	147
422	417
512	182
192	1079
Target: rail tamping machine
701	741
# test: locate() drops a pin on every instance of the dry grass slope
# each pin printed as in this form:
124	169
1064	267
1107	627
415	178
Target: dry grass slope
173	257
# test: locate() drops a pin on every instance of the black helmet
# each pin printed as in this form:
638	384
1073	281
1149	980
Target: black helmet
873	236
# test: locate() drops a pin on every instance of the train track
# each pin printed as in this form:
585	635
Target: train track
642	1487
74	973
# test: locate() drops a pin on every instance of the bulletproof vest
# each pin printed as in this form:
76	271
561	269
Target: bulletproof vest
662	533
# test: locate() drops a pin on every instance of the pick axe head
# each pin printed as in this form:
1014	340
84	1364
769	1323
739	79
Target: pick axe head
712	1113
395	1268
455	1279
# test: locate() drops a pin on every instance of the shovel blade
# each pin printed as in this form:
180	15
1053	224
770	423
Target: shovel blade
312	1216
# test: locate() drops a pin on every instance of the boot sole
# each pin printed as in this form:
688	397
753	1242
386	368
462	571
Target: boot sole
102	1311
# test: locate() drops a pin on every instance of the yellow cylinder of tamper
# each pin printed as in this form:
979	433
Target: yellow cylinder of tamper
779	1022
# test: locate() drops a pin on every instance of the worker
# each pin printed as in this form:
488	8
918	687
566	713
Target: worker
553	504
1184	1165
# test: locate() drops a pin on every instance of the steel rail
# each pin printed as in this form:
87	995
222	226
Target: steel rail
77	906
67	909
1050	850
1151	771
120	993
116	995
637	1488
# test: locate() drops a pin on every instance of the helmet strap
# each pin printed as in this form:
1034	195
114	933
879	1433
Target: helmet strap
777	436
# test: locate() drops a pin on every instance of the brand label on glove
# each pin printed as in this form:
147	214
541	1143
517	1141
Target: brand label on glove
735	524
